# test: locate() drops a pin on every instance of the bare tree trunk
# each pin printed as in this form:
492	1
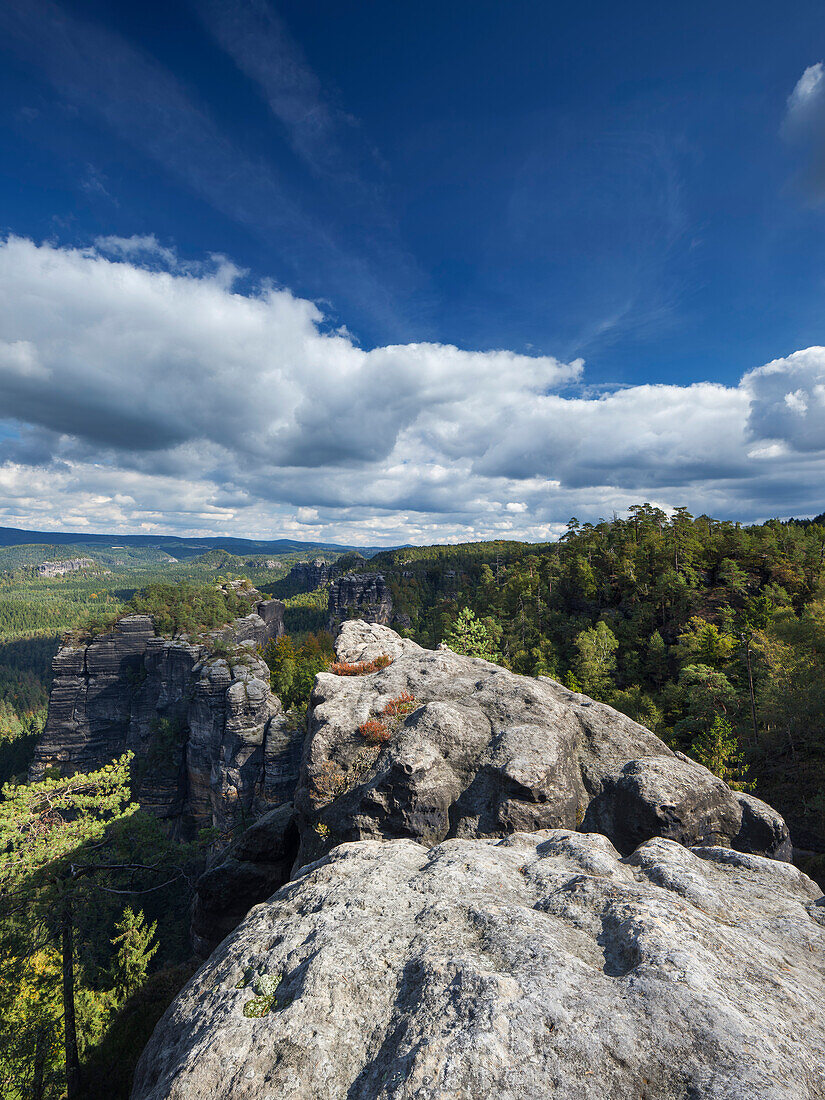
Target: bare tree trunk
69	1022
39	1064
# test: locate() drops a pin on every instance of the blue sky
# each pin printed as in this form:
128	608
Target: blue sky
469	268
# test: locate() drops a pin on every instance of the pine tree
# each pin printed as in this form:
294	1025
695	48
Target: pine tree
135	951
596	660
51	837
470	636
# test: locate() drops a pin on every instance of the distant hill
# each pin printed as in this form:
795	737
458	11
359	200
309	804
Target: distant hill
177	546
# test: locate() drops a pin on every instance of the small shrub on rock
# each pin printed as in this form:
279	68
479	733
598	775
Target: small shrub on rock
377	731
360	668
374	731
399	706
330	781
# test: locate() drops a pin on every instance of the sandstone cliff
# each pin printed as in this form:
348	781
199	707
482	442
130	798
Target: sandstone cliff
475	751
492	886
542	964
360	595
211	742
306	576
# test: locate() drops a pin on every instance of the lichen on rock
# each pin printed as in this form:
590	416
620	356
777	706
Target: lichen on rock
540	964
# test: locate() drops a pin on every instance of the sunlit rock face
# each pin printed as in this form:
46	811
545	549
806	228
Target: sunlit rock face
541	964
365	595
474	751
480	751
491	886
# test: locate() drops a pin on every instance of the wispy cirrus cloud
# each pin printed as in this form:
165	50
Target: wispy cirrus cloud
804	127
258	41
102	76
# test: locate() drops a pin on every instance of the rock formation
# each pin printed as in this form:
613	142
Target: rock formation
541	964
476	751
360	595
211	742
306	576
500	888
61	568
484	752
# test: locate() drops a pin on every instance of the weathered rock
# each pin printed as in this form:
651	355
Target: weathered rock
306	576
251	869
90	700
485	752
365	595
211	742
762	829
660	796
272	613
535	966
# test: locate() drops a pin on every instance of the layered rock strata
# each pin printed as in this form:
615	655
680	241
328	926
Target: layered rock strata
212	745
309	575
364	596
542	964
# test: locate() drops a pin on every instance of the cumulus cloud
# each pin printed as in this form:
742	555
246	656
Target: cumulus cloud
787	400
140	392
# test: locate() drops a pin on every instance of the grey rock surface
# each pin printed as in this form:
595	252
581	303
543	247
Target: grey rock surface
485	752
306	576
539	965
366	595
212	744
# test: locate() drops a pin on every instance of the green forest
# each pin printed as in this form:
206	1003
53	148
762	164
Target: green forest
709	632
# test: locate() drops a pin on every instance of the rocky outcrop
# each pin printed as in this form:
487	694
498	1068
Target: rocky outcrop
212	745
306	576
360	595
479	751
60	568
537	965
475	751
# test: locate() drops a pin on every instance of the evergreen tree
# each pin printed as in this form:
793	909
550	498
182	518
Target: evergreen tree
472	637
596	648
134	952
51	835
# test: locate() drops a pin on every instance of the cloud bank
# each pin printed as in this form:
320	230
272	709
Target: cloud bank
141	393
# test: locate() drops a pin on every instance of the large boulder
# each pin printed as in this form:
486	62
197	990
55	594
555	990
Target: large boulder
539	965
469	749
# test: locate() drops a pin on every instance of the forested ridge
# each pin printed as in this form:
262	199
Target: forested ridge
36	611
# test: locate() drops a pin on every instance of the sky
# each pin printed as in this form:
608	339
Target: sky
379	273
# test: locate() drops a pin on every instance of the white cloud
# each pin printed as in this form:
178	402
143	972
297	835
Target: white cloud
804	126
142	393
787	400
808	87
